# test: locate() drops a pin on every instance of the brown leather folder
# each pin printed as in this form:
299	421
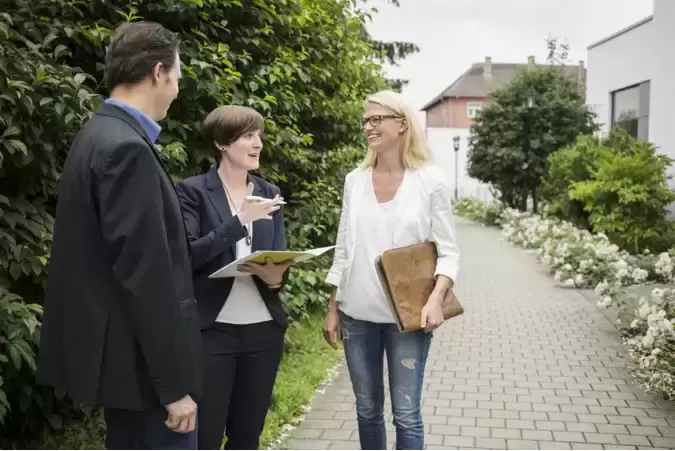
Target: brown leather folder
407	277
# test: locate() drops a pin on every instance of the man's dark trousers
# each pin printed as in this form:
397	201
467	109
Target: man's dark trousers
144	430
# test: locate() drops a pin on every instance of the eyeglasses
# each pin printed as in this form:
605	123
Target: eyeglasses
377	119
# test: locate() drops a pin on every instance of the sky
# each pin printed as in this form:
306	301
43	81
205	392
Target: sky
453	34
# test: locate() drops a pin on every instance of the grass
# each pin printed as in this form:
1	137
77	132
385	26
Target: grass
303	368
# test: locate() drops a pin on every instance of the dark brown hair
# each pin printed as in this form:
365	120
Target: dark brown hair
135	49
226	124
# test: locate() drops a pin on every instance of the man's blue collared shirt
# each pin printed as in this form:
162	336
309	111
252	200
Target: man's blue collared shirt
151	128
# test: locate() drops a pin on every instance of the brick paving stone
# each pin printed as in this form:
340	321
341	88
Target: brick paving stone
662	442
335	434
537	435
600	438
306	433
459	441
554	445
632	440
586	446
562	436
341	444
490	443
308	444
645	421
521	444
529	365
667	431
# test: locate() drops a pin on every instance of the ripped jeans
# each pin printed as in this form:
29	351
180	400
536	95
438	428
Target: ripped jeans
365	344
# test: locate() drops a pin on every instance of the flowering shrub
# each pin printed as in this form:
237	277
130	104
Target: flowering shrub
650	341
576	258
581	259
476	210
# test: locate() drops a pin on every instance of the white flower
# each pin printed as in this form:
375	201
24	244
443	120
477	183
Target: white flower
639	275
602	287
604	302
579	280
664	265
621	265
644	310
621	273
648	341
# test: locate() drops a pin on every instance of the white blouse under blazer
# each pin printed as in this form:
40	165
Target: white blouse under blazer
424	214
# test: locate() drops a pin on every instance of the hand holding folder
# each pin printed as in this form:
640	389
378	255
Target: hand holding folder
261	257
407	277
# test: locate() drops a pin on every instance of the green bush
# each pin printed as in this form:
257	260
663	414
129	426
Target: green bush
565	167
627	194
42	103
616	185
18	340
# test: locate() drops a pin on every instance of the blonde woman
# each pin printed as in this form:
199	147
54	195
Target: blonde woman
396	198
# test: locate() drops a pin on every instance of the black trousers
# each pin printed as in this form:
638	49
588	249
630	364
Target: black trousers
144	430
241	364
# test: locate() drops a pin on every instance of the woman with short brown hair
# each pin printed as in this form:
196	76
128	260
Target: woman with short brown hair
242	320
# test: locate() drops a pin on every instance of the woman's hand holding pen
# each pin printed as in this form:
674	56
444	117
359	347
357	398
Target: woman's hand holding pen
253	210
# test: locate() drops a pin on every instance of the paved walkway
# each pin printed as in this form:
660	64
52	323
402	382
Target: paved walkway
528	366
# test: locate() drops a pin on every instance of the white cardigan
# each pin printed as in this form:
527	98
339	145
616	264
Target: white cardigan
424	212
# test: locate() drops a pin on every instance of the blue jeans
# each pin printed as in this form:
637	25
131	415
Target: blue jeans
365	344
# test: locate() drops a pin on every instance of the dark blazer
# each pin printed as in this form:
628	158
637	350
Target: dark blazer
213	233
120	325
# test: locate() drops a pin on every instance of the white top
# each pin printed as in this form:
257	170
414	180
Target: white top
244	305
364	298
424	213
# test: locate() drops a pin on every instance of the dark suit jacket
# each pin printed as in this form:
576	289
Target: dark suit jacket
213	233
120	326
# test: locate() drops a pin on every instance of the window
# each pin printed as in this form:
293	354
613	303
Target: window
472	109
630	110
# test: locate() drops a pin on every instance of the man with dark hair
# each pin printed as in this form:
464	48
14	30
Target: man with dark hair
120	328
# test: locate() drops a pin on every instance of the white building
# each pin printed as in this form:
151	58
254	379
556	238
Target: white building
631	79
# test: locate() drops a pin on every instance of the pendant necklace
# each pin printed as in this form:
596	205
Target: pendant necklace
227	192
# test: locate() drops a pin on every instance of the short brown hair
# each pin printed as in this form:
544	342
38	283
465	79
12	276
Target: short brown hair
135	49
226	124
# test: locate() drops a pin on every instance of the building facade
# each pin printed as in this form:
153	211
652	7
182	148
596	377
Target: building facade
631	81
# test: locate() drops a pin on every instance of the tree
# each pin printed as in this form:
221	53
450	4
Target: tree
512	138
558	53
305	65
392	52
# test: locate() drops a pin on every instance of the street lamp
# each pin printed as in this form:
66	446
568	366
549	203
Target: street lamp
455	145
526	148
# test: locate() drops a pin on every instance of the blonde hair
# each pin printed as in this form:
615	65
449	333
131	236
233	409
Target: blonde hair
414	151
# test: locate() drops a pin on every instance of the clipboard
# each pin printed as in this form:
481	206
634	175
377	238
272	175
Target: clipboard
260	257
